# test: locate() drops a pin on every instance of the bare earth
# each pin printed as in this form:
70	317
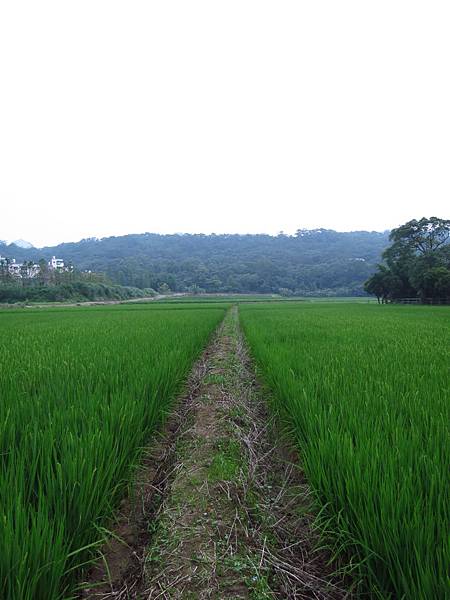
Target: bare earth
219	508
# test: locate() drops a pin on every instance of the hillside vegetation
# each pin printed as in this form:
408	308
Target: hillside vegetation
310	262
74	291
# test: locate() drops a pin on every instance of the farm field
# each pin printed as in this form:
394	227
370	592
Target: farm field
81	392
266	298
362	388
365	390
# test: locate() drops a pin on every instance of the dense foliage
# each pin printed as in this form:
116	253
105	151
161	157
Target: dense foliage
366	393
73	285
311	262
417	263
76	291
81	391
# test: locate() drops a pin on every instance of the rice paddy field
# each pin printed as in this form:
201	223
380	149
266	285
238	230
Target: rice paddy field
364	389
81	391
366	392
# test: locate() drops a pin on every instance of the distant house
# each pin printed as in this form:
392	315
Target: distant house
56	264
25	270
14	268
10	267
28	269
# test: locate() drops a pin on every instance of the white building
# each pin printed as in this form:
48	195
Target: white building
29	270
11	265
26	270
14	268
56	264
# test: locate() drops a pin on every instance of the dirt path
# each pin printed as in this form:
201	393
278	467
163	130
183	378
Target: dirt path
220	508
98	302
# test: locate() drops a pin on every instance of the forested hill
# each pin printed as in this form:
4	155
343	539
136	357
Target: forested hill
311	261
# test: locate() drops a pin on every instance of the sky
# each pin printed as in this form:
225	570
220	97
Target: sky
221	116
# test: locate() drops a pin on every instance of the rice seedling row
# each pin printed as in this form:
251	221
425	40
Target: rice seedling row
81	391
365	390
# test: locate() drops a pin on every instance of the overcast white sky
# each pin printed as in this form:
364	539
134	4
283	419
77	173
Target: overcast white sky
230	116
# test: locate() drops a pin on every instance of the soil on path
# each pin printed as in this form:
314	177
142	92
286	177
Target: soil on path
144	299
220	508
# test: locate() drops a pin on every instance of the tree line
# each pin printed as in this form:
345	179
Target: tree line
53	286
416	264
320	262
310	262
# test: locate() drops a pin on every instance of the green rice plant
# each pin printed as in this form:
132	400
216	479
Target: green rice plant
366	390
81	391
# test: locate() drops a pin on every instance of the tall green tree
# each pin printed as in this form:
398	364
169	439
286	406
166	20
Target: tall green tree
420	237
417	262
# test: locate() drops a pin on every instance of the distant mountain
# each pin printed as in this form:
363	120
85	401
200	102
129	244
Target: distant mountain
22	244
312	261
